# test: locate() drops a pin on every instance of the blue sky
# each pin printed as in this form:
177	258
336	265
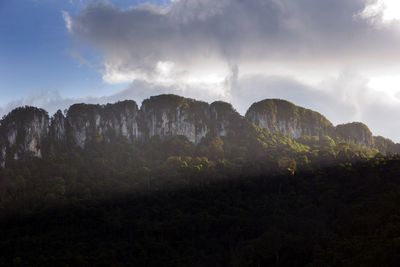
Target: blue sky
34	51
37	52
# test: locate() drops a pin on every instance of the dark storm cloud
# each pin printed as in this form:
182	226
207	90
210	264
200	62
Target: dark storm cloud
235	31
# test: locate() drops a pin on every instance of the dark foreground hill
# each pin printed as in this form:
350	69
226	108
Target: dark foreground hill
180	182
337	216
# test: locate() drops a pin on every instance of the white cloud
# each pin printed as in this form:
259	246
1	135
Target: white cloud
384	10
187	32
67	19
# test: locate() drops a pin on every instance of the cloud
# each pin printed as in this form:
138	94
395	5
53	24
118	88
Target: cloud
361	103
197	34
51	101
67	20
384	10
346	97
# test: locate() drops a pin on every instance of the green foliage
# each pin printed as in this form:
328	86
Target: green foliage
252	198
282	110
354	132
386	146
170	103
344	215
216	148
287	165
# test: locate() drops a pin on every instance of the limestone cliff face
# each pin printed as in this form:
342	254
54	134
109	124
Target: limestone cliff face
2	156
386	146
280	116
356	132
224	118
171	115
23	132
58	127
95	123
28	131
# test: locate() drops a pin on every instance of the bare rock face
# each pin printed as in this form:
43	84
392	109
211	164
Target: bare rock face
171	115
3	156
224	118
386	146
280	116
96	123
83	122
23	132
58	127
356	132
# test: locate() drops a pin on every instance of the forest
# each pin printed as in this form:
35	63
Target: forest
251	199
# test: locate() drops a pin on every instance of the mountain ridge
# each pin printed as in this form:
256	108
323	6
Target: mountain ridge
27	130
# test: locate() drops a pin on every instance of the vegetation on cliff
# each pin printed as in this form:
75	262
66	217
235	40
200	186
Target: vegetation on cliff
279	116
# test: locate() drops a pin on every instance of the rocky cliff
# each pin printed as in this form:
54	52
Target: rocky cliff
58	127
356	132
29	130
224	119
386	146
169	115
96	123
280	116
23	132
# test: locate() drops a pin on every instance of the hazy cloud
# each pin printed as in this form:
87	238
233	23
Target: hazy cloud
361	103
343	98
188	35
67	20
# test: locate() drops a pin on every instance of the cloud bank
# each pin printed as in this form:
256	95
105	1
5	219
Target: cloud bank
321	54
175	43
355	101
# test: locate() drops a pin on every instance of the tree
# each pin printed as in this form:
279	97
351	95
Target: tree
216	148
287	165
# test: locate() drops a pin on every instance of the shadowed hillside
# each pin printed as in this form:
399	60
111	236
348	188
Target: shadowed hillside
183	183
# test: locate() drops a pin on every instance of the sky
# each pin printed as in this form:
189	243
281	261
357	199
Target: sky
339	57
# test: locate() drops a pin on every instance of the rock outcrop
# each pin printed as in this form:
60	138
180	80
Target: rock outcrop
281	116
28	130
95	123
23	132
171	115
2	156
356	132
386	146
224	119
58	127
